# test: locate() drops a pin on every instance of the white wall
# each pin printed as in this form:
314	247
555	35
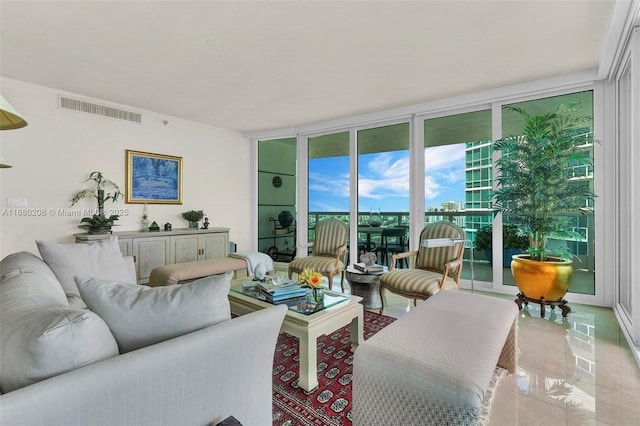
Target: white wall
55	153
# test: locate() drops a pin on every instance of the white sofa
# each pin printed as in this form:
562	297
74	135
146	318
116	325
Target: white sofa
200	377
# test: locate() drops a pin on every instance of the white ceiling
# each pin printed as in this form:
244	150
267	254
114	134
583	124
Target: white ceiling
259	65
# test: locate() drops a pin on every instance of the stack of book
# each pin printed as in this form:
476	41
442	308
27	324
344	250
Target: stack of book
368	268
275	293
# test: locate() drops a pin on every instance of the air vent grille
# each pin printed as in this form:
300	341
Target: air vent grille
106	111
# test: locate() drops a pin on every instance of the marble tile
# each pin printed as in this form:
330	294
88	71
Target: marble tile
573	371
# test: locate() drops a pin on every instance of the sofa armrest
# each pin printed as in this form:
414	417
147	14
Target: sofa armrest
199	378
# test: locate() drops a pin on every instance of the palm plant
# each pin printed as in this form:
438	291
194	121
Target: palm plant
536	184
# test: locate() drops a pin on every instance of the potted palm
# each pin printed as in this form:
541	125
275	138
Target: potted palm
514	242
99	223
536	186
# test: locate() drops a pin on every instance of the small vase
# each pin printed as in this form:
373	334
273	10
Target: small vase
316	296
193	224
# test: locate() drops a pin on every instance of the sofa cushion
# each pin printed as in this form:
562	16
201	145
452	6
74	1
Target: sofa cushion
26	280
139	316
101	259
38	342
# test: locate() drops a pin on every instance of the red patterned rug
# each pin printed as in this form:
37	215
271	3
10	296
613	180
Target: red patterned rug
330	403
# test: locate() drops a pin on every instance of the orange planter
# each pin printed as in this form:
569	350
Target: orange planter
536	280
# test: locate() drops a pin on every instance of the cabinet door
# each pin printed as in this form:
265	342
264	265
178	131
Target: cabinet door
185	248
126	246
150	253
215	245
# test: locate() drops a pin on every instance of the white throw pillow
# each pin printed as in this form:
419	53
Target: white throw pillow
39	342
101	259
25	280
140	316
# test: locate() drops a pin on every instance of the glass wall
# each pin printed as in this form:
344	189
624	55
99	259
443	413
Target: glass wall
329	178
581	244
277	194
383	184
458	180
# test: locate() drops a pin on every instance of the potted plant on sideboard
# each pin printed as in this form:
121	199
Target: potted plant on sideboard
99	223
193	217
536	185
513	242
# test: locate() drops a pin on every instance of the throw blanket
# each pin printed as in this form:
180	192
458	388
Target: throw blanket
253	258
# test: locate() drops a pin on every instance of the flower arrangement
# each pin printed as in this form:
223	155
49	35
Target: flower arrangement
312	279
100	219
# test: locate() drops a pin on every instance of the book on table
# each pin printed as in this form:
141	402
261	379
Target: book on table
293	293
271	288
368	268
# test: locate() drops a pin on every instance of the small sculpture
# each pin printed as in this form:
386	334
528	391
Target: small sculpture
167	226
260	272
368	258
205	224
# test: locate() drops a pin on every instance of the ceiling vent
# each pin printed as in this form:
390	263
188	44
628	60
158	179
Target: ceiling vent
105	111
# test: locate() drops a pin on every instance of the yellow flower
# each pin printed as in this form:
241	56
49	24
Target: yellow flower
310	278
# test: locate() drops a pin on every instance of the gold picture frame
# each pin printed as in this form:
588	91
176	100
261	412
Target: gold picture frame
153	178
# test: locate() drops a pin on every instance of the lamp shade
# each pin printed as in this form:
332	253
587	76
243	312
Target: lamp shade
9	117
4	164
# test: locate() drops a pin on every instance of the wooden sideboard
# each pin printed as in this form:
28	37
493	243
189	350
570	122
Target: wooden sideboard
153	249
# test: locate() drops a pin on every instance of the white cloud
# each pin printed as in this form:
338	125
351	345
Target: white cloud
386	175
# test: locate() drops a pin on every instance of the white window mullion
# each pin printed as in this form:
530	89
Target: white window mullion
416	181
634	183
302	195
353	195
498	253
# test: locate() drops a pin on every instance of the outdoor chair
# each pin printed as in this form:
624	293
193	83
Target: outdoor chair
434	269
329	250
392	241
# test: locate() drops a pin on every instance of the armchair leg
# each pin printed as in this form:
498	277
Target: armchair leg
342	280
381	291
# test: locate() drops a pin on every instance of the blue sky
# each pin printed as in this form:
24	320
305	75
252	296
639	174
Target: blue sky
384	180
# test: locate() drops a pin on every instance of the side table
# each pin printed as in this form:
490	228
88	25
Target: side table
366	285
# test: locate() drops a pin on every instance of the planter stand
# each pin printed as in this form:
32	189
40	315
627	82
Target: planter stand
560	303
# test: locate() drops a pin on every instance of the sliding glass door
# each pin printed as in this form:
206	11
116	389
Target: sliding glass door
383	186
329	178
458	180
581	244
277	197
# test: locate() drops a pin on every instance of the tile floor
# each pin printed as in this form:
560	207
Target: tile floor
577	370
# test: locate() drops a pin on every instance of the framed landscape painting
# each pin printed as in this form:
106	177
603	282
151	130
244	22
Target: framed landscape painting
153	178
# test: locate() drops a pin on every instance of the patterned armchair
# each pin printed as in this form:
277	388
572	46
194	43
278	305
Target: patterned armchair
434	269
328	251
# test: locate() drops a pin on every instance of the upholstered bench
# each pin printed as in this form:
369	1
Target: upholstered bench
179	273
437	364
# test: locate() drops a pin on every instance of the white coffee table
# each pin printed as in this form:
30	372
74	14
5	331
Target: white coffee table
307	328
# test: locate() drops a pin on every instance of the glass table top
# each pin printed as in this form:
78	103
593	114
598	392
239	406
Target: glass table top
295	304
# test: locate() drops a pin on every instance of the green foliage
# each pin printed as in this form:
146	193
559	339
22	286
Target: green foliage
512	238
101	196
535	181
193	215
96	220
